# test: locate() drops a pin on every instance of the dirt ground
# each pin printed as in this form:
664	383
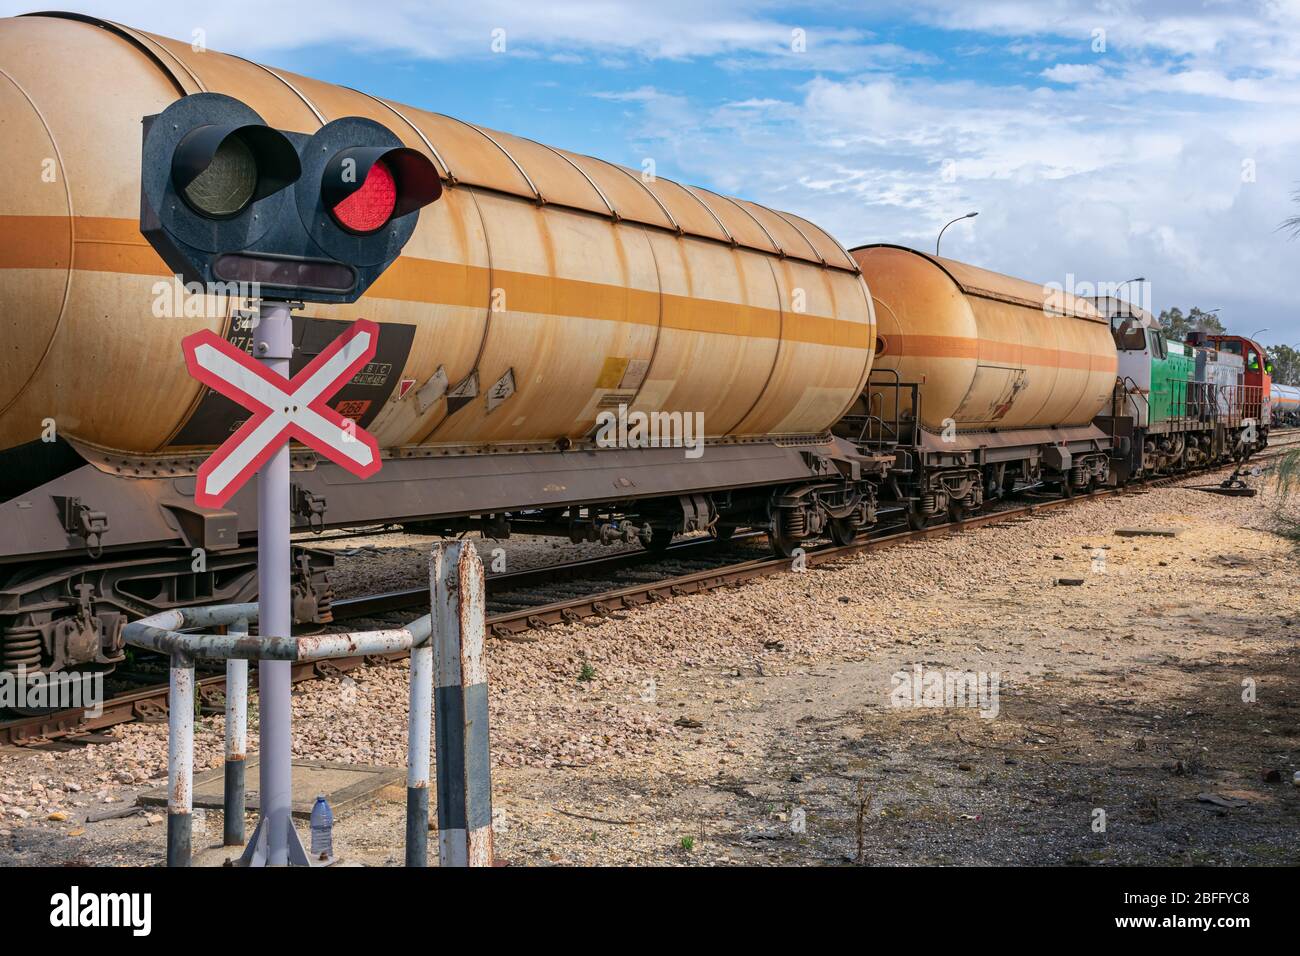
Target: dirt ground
1147	714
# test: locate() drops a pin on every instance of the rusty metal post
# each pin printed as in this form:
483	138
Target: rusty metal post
236	744
419	724
461	707
180	760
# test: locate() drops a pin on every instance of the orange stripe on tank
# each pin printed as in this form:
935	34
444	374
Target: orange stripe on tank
34	242
990	351
115	245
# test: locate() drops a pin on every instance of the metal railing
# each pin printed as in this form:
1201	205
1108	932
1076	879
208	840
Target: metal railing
1205	402
447	643
875	427
1131	392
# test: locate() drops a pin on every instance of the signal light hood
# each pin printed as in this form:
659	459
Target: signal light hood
275	160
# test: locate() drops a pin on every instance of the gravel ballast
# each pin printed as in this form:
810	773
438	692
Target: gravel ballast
759	723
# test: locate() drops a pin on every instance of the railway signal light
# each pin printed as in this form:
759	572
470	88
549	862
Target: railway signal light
289	216
367	208
227	199
220	169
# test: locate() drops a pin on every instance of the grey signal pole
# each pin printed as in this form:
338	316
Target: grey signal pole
275	842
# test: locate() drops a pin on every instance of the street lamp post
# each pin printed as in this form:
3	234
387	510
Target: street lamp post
969	215
1129	311
1127	281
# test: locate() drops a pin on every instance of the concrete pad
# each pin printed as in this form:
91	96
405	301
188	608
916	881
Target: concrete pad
343	785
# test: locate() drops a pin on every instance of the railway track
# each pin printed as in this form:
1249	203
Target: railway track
521	603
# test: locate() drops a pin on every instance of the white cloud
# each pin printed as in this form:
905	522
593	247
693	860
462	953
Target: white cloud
756	31
1180	27
1073	73
1067	181
1104	162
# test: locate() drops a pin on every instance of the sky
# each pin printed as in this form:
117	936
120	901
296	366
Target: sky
1098	141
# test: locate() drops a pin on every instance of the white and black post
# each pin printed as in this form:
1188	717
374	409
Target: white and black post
460	706
180	760
419	724
236	745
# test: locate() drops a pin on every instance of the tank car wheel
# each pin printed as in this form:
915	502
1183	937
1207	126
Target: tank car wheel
915	520
783	546
957	513
843	531
1067	489
722	533
661	539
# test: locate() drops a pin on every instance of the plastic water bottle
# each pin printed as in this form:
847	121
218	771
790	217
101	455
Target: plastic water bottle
322	829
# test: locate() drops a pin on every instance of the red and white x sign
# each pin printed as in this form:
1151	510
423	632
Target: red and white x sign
283	409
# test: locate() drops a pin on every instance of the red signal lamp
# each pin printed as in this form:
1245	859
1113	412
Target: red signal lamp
365	188
371	206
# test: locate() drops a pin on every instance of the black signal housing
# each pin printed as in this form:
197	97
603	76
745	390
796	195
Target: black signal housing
224	198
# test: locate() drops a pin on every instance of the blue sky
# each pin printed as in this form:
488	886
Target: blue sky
1098	141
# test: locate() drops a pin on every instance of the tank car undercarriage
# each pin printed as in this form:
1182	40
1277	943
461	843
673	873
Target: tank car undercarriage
950	476
58	615
102	539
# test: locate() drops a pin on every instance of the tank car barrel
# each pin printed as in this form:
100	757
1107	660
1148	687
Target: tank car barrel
611	286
